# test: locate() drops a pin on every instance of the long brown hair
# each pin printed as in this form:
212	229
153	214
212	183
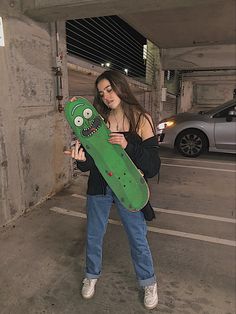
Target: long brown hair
133	111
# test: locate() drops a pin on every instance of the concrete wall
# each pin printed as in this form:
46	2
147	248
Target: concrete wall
212	94
203	90
32	131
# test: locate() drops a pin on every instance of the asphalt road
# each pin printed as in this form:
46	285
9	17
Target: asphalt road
195	201
193	235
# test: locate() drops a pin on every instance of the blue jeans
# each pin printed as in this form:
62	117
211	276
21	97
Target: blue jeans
98	210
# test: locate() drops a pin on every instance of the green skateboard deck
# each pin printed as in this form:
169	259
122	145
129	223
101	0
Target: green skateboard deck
114	164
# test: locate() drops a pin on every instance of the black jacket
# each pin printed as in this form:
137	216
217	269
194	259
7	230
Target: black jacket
144	154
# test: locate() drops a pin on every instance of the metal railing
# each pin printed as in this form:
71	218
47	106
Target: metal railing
111	43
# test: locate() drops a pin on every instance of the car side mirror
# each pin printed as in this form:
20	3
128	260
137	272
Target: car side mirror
231	114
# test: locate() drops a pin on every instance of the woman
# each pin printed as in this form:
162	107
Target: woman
132	128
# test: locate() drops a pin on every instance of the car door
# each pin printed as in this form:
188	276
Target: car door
225	130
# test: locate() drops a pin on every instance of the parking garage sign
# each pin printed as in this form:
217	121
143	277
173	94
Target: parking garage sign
2	43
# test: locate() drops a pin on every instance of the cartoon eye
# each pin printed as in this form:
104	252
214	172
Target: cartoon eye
78	121
87	113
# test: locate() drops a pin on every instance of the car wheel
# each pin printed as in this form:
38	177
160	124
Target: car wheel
191	143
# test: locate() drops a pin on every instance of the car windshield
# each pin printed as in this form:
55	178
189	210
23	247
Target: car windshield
220	107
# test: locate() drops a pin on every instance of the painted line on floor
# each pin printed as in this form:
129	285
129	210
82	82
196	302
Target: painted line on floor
181	213
79	196
199	160
202	216
197	167
153	229
79	214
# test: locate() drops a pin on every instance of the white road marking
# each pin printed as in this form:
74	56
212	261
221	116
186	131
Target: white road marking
178	212
79	196
197	167
200	160
153	229
202	216
80	215
193	236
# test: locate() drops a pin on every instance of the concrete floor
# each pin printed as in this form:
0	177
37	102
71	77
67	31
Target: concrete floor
42	253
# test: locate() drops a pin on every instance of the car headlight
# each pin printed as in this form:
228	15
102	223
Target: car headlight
166	124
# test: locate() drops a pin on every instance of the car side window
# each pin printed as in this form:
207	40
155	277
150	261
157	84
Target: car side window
224	113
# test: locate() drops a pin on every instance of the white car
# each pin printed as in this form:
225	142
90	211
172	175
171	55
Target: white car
194	133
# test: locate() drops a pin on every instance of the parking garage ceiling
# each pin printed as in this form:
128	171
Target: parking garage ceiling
198	25
168	24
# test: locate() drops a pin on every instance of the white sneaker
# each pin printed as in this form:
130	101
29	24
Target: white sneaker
88	288
150	296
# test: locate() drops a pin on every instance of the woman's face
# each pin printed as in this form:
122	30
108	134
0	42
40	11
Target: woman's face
109	97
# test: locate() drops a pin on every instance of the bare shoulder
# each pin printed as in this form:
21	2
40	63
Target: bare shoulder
146	127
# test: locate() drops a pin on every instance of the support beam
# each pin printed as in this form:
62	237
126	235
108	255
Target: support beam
199	58
49	10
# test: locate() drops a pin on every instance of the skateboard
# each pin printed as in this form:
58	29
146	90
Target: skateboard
114	164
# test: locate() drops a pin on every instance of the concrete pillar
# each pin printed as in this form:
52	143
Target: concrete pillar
32	131
155	78
186	96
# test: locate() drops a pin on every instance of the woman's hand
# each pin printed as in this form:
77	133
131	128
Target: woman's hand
118	138
76	152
